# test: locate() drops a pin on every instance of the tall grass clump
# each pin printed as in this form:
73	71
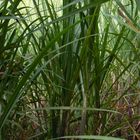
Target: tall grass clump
69	69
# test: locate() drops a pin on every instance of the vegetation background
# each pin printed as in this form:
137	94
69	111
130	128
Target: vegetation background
69	69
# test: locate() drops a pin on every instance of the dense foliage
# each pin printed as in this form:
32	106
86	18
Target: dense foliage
69	69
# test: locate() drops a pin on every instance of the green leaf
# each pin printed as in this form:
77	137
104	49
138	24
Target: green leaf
90	137
138	4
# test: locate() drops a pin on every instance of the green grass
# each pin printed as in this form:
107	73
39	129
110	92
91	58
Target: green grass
69	70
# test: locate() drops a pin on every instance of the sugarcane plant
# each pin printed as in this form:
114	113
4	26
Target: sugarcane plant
69	69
